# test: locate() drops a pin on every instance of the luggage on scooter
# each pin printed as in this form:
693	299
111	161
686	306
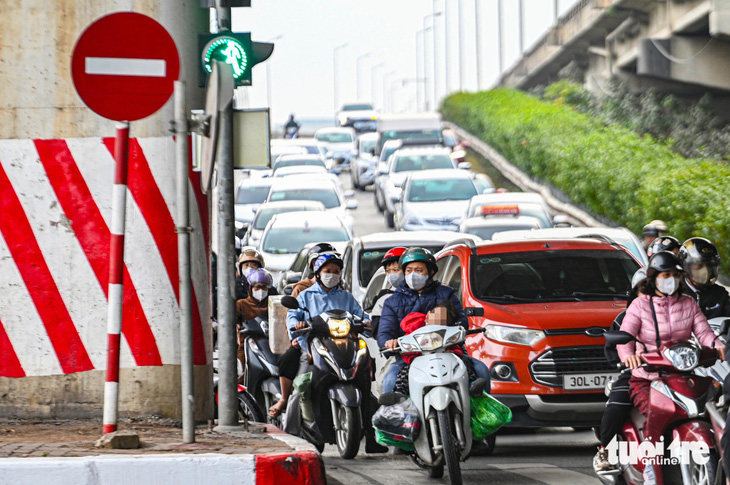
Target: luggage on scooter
487	416
303	385
397	425
278	333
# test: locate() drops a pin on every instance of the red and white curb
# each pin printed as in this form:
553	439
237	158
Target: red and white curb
301	466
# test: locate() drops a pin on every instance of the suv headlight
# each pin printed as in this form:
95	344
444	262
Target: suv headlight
683	357
338	327
514	335
430	341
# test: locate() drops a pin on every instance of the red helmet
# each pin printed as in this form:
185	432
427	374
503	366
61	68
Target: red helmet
392	256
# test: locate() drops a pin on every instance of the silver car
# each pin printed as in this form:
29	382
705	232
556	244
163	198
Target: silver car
364	165
250	194
525	203
362	255
340	144
436	200
267	210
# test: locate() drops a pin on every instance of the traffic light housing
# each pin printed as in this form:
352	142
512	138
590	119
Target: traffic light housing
234	48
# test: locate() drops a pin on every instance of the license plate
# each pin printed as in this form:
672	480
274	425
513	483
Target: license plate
583	382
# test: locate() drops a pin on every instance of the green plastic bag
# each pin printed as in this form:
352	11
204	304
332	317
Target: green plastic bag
303	385
385	438
487	416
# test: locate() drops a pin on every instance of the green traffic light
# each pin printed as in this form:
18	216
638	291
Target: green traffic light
228	50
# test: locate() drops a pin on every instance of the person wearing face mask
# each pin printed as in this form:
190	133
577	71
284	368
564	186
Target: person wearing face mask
661	315
249	260
394	277
308	277
420	292
664	243
256	304
701	263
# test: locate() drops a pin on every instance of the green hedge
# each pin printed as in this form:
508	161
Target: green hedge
611	170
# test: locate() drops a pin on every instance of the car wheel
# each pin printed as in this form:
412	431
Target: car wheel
377	200
389	219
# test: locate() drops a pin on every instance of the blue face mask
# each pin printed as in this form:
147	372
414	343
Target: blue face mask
416	281
395	279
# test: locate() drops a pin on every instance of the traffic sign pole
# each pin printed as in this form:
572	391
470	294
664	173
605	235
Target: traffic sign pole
116	275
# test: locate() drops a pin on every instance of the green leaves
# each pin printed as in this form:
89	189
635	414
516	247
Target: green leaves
610	169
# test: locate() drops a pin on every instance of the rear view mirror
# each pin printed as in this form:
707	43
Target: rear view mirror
618	337
241	231
290	302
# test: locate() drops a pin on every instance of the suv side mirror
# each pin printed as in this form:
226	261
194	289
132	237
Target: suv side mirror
241	231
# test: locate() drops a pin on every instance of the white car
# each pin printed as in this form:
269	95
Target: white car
360	115
340	144
363	168
327	190
287	233
250	194
266	211
487	227
300	170
297	161
615	235
525	203
310	145
436	200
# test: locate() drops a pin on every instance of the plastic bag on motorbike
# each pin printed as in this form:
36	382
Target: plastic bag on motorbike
397	425
487	416
303	385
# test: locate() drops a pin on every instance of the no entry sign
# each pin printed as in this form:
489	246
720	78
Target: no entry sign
124	66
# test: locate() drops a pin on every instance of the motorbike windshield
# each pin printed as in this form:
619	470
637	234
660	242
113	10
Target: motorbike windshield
539	276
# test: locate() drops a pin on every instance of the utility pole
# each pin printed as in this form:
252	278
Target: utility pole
268	74
521	16
460	39
357	71
435	55
336	80
372	84
418	67
499	35
478	30
386	90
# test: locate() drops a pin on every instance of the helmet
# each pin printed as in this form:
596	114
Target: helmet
638	277
325	258
317	249
392	256
249	254
650	230
663	243
418	254
698	250
664	261
259	276
660	225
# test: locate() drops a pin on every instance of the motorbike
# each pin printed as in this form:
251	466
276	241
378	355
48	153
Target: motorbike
677	407
438	384
261	375
340	377
248	408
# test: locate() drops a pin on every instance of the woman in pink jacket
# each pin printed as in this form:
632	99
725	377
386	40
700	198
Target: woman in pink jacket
677	317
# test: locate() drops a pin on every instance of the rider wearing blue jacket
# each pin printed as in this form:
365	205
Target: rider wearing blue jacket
419	293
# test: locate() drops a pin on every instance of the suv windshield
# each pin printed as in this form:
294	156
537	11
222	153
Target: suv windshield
335	137
538	276
440	190
290	240
327	197
370	261
252	195
357	107
421	162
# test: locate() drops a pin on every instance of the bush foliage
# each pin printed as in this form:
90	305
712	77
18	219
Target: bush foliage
608	168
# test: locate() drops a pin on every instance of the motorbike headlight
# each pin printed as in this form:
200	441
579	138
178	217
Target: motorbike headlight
514	335
406	347
338	327
683	357
453	339
430	341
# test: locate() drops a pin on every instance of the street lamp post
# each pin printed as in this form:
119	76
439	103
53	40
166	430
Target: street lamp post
460	39
372	84
268	74
433	34
418	68
478	30
335	89
357	70
385	89
499	35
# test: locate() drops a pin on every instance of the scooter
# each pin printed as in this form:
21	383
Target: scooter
676	412
261	376
438	384
248	408
340	377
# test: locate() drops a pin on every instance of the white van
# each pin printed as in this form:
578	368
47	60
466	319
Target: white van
409	126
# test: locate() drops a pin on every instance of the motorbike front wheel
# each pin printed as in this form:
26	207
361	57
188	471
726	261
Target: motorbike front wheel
249	409
700	474
450	447
348	434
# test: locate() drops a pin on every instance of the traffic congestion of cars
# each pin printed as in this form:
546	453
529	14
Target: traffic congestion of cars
542	291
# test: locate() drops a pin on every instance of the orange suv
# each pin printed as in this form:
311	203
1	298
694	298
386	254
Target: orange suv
545	305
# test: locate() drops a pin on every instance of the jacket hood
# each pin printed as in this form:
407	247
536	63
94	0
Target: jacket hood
413	321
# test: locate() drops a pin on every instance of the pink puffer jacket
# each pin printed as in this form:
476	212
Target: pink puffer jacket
678	316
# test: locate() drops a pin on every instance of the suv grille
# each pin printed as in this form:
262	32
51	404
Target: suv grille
445	221
551	366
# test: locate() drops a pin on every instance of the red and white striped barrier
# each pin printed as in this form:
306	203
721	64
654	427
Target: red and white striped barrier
56	233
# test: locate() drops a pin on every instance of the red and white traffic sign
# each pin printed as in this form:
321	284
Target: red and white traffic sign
124	66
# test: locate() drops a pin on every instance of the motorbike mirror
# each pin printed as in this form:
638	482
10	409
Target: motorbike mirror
618	337
241	231
724	327
290	302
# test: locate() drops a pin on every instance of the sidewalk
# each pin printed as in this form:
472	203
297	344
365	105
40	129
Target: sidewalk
63	452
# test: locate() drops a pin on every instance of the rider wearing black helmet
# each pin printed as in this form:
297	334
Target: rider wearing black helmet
307	276
701	263
664	243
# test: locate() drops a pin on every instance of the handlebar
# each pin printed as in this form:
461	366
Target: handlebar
476	331
302	331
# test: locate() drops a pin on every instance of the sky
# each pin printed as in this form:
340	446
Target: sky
379	39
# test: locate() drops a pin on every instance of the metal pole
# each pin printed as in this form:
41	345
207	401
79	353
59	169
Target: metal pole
116	275
521	16
556	9
460	39
418	69
386	89
357	71
447	44
435	55
426	89
372	82
478	30
227	349
336	83
183	248
499	35
268	75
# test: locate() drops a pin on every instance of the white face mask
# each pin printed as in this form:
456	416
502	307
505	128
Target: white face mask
246	271
667	285
329	280
395	279
259	294
416	281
